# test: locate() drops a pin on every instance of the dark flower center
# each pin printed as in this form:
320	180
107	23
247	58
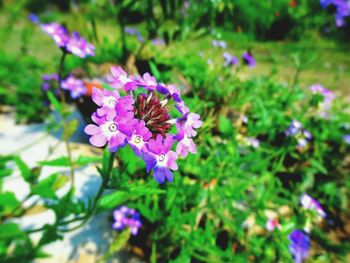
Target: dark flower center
155	115
112	127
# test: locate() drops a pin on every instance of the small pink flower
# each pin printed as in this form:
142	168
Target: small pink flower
192	122
119	79
271	224
185	143
139	137
148	81
112	132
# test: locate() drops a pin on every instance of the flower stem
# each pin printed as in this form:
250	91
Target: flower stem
64	117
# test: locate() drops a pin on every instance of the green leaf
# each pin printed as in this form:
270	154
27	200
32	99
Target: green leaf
84	160
117	244
56	104
61	161
154	69
112	200
9	231
8	203
26	173
47	187
225	125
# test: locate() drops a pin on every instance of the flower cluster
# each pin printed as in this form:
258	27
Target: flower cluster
143	121
48	79
328	97
312	204
342	10
76	87
72	43
126	217
299	245
297	131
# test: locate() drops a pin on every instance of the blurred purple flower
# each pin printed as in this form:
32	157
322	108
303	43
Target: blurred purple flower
309	203
57	32
134	32
79	46
158	42
127	217
297	131
33	18
248	59
229	59
219	43
347	138
299	245
76	87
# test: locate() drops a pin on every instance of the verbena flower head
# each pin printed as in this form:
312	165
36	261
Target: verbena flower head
299	245
297	131
76	87
249	59
229	60
72	43
137	113
127	217
309	203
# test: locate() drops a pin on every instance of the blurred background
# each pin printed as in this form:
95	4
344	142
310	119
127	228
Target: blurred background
270	80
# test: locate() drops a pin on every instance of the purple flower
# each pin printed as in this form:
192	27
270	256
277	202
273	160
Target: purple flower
126	217
342	10
73	43
33	18
75	86
119	79
192	121
48	80
299	245
112	132
185	144
297	131
148	82
79	46
139	137
229	59
219	43
142	120
57	32
347	138
248	59
160	158
112	104
309	203
134	32
158	42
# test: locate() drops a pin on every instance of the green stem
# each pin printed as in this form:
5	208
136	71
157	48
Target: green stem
104	184
64	117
